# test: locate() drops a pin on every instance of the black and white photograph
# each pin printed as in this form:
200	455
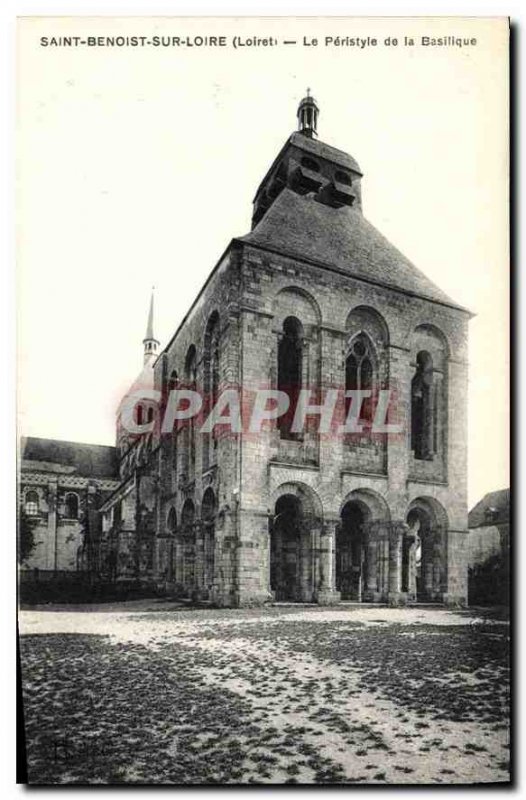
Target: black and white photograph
263	344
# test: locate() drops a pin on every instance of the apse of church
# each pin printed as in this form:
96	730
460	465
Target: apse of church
313	297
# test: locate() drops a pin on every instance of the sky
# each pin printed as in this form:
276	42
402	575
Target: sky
137	166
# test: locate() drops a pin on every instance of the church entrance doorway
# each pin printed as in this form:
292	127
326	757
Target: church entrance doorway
424	572
351	565
290	551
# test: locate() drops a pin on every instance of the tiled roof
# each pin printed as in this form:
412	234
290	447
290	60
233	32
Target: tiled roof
87	460
342	238
494	508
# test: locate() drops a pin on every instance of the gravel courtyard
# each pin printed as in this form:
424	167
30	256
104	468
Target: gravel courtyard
148	692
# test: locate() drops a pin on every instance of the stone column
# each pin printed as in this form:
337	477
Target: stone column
326	593
396	534
370	590
411	564
199	590
438	557
52	558
427	562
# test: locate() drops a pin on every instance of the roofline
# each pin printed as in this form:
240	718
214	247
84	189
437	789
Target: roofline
65	441
239	241
123	486
331	268
488	524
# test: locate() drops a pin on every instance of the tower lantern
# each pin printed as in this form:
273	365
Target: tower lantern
308	116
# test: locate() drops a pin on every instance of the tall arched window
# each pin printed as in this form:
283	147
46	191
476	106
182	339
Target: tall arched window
72	505
290	371
31	504
173	380
423	436
190	374
188	532
211	382
173	383
139	414
360	374
171	522
208	513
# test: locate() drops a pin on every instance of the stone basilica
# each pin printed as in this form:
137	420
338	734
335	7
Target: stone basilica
313	296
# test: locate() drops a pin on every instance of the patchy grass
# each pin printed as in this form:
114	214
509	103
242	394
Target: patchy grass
266	696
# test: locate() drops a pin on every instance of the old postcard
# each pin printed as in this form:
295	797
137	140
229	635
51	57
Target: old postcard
263	365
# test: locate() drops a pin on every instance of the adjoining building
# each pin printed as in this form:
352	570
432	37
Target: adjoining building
313	296
62	486
489	549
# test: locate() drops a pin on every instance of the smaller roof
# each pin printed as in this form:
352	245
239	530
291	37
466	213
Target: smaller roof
494	508
75	458
315	148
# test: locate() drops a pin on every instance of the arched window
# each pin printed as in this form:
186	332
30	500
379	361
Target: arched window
173	383
72	505
211	382
190	374
188	518
31	504
149	415
139	414
290	371
171	522
423	421
173	380
360	375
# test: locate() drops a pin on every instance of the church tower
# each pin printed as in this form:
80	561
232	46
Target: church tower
312	299
151	344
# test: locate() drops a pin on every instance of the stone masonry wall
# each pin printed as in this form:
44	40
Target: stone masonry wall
265	275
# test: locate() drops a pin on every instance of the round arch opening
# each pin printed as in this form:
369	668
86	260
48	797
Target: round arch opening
294	517
423	550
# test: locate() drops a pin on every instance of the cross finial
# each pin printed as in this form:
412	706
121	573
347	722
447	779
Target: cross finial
308	91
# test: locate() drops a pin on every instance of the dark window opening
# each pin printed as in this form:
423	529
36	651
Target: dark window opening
290	365
343	177
172	383
31	504
189	442
172	521
423	424
359	375
211	384
72	506
309	163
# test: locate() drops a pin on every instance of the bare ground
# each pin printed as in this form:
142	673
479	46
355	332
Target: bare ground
152	693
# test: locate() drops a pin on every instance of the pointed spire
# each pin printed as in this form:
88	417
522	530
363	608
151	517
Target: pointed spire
149	327
150	342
